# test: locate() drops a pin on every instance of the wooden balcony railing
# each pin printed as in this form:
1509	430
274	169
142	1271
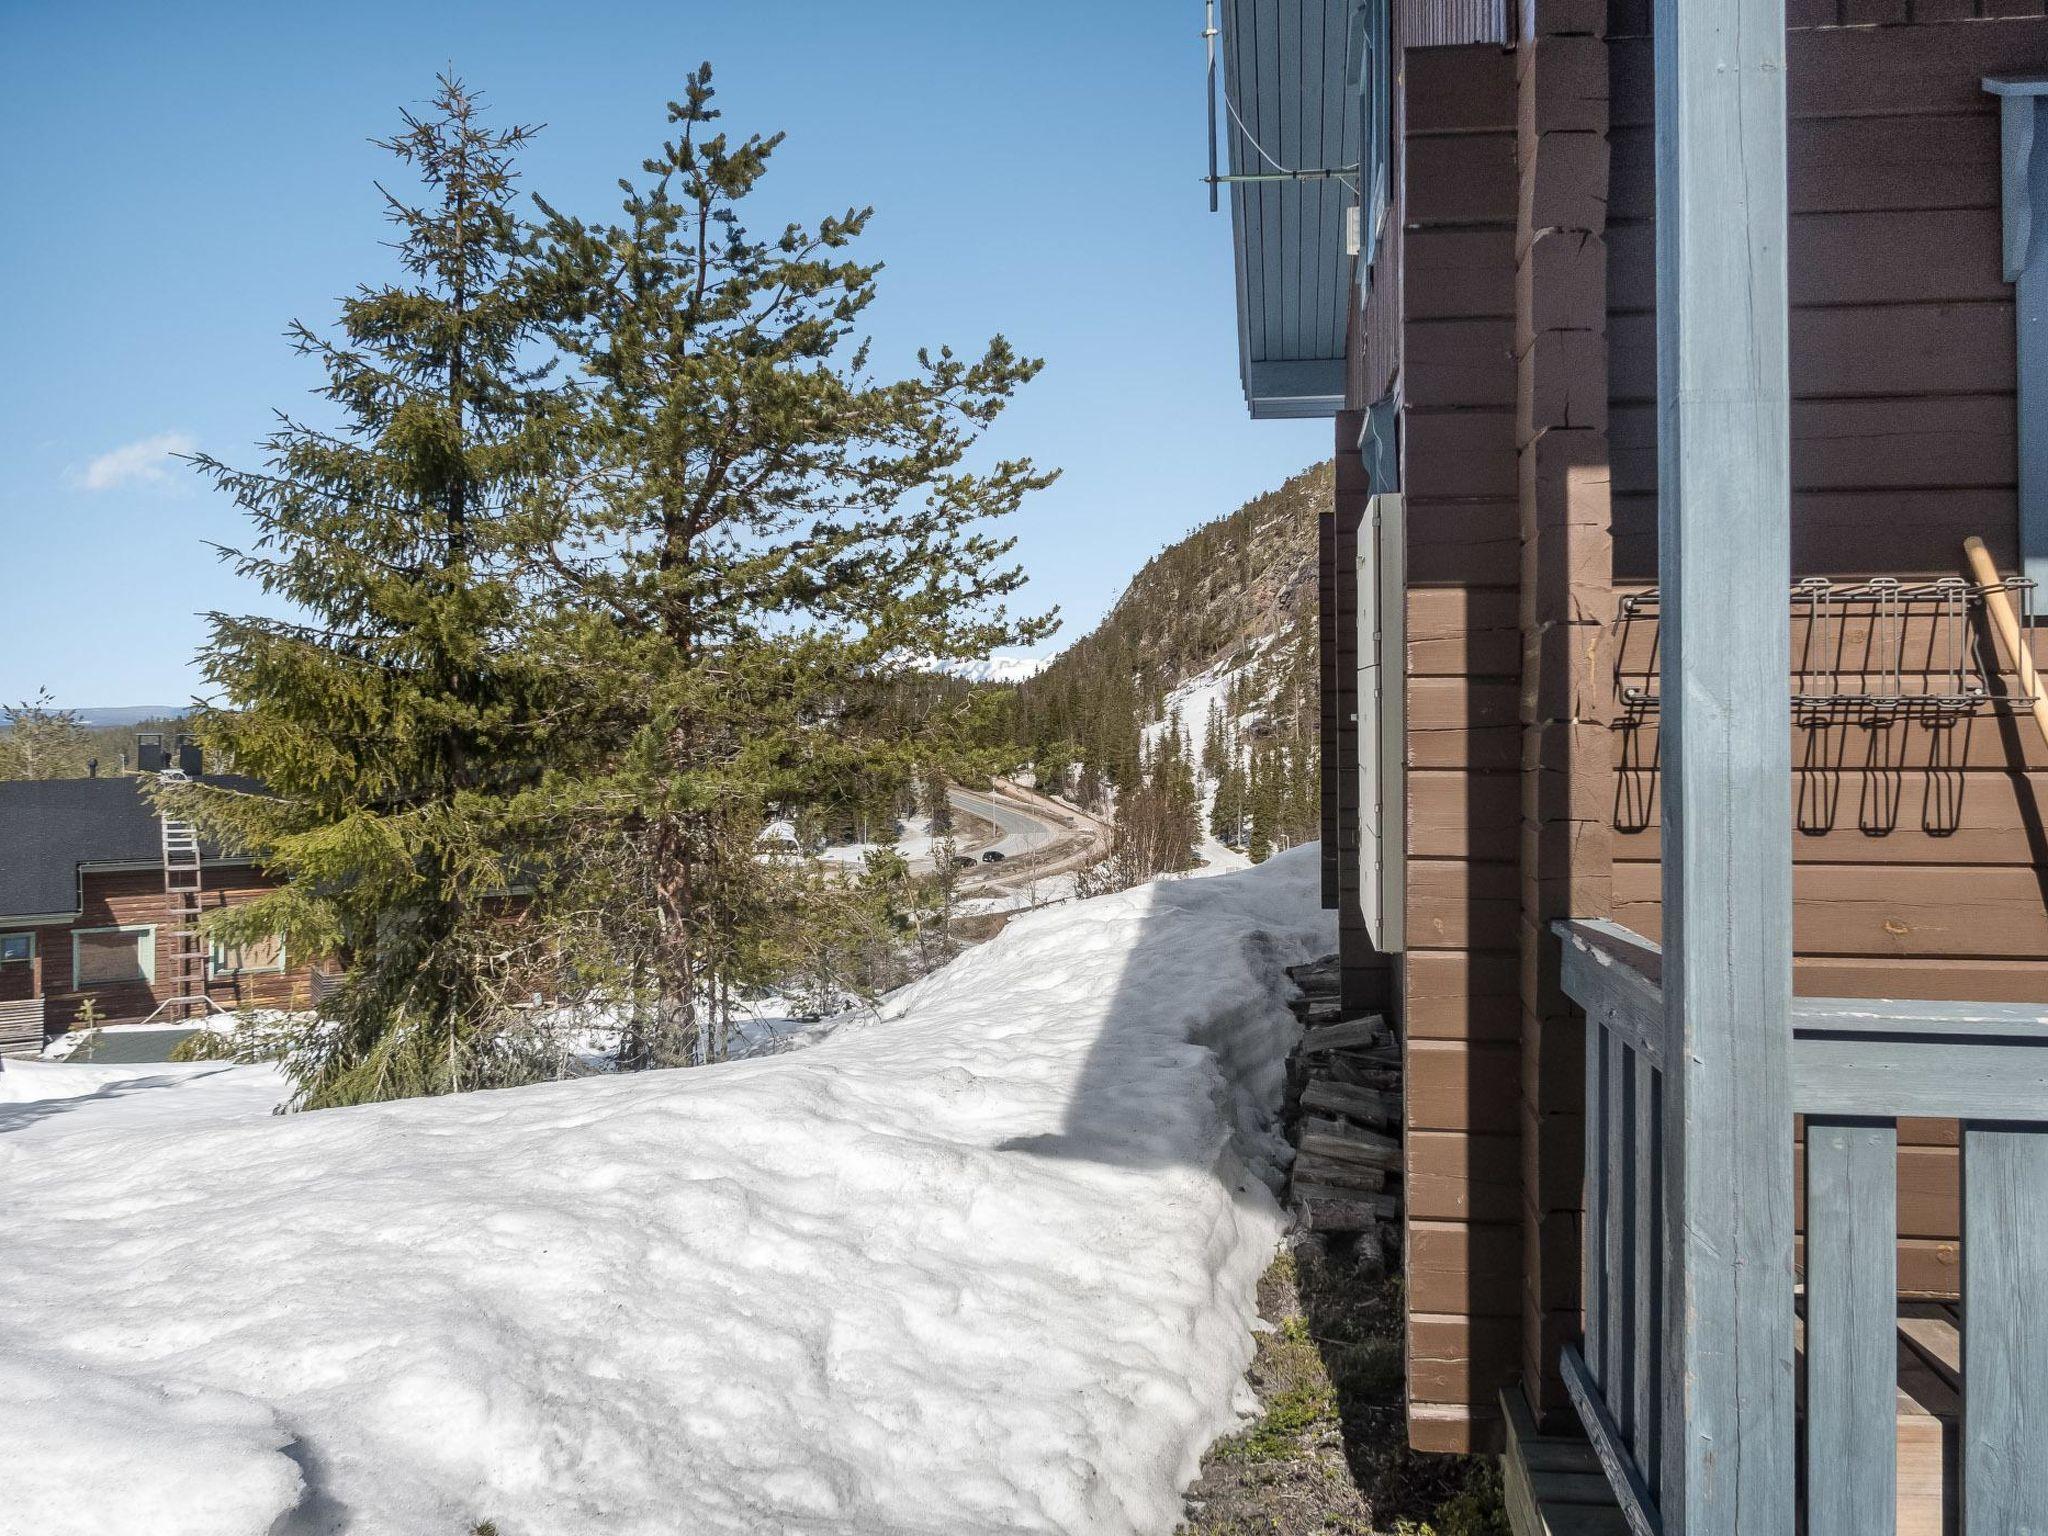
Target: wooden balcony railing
1857	1068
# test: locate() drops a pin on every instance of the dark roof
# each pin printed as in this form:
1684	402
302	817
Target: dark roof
48	827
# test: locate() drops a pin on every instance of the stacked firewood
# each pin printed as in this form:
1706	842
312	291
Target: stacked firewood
1344	1112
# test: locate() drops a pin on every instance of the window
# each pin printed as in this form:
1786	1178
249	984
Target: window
102	957
1372	76
258	955
17	948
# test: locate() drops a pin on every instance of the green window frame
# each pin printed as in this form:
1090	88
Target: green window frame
145	952
17	948
218	960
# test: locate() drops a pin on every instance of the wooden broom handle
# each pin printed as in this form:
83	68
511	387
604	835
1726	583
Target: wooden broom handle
1998	603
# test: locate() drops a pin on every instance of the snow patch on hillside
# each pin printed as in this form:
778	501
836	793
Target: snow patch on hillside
997	668
983	1263
1193	703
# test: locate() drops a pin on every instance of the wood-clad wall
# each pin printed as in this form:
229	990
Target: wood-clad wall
1920	865
1460	1011
1529	460
135	898
1567	612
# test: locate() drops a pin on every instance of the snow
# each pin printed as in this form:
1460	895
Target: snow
997	668
53	1099
915	844
1192	703
983	1262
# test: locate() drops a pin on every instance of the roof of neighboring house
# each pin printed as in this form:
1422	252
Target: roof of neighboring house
49	827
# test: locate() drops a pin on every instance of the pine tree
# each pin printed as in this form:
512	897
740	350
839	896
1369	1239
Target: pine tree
933	786
772	534
392	716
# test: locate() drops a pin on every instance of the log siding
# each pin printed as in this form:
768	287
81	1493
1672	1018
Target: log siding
135	899
1527	368
1463	1149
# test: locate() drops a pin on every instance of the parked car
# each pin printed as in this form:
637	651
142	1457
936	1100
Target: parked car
993	856
963	861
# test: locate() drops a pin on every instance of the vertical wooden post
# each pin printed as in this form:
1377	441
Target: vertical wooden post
2005	1329
1852	1327
2024	183
1724	569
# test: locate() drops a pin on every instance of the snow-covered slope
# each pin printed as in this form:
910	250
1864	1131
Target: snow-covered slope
997	669
985	1264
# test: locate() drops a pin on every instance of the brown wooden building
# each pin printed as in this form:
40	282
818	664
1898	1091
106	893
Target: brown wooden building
1447	231
85	913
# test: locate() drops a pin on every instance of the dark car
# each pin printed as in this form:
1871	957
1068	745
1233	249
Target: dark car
993	856
962	861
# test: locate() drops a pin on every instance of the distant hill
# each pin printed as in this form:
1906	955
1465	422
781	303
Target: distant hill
109	716
1215	635
128	714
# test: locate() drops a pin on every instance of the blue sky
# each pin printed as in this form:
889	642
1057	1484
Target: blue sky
183	180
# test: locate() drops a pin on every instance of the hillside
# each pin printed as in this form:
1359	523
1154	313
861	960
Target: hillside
1217	627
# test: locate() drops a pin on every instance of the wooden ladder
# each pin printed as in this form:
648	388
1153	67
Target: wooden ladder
184	886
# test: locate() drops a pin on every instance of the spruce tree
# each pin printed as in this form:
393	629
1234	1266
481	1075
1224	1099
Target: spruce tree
1226	816
389	713
771	532
1263	805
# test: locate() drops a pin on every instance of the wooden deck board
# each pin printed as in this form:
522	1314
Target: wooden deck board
1553	1483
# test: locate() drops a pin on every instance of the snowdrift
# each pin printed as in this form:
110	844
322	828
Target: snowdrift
985	1264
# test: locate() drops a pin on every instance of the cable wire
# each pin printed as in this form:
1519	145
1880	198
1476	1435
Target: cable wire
1285	170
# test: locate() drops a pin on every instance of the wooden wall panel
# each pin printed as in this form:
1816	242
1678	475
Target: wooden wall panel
1456	722
1888	816
1458	1176
1456	1086
1454	273
1460	1358
1460	632
1563	386
135	898
1464	546
1457	1268
1464	560
1452	995
1453	815
1921	866
1899	911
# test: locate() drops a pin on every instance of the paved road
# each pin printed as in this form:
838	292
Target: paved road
1022	830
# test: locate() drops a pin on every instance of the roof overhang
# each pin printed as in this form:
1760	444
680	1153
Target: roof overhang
1292	105
1280	391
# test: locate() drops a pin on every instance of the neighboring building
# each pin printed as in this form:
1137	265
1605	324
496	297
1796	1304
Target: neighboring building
86	912
1479	299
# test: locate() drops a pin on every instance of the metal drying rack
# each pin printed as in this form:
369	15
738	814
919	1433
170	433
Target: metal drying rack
1947	676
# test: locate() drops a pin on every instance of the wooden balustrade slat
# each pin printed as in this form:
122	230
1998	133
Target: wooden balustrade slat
1851	1327
1857	1065
1618	1207
2005	1330
1646	1368
1592	1259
